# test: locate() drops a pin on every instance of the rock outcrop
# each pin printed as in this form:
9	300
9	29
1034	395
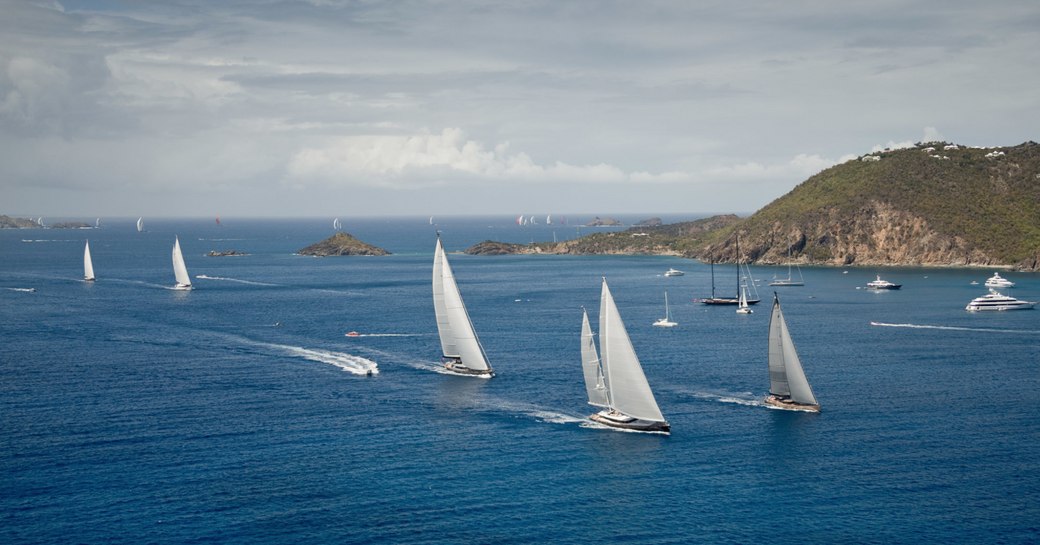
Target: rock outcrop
341	244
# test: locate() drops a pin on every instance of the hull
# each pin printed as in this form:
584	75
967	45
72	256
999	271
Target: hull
988	308
88	279
456	367
618	420
182	287
782	283
665	323
727	301
786	404
892	287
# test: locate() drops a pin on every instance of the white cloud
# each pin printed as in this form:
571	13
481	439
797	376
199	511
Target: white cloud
931	134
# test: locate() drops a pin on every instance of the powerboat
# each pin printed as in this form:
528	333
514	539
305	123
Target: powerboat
673	272
997	281
879	284
997	301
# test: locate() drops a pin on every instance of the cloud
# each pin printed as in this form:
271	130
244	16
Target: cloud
931	134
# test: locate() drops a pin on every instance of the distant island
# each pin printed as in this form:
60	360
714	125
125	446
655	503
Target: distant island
604	222
225	253
651	222
935	204
71	225
341	244
7	222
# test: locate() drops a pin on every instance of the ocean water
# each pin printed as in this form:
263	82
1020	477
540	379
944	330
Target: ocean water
240	413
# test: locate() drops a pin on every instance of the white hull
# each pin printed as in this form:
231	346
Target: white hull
618	420
788	405
182	287
663	322
456	367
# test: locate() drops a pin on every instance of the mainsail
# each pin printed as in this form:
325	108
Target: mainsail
786	377
629	391
595	383
458	340
88	264
180	270
140	224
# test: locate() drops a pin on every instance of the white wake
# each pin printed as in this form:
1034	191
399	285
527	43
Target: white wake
956	328
225	279
347	362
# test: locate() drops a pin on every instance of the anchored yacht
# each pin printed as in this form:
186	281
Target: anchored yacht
997	301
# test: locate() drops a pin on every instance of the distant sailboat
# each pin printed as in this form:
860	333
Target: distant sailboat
431	220
729	300
180	271
615	381
789	281
548	219
88	264
461	350
218	220
336	224
667	320
97	223
140	224
788	387
742	305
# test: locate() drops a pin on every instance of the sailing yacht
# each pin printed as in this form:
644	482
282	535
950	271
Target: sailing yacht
789	281
735	300
461	350
788	387
667	320
336	224
140	224
616	382
180	271
88	264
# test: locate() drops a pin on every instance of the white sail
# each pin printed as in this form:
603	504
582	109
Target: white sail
439	309
786	377
180	270
97	223
629	391
467	345
88	264
336	224
595	383
140	224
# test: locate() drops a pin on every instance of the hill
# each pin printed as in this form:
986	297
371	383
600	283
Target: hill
935	204
341	244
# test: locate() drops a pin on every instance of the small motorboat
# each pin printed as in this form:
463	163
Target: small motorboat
352	334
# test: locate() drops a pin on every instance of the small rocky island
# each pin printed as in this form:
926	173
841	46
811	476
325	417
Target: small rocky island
491	247
603	222
341	244
225	253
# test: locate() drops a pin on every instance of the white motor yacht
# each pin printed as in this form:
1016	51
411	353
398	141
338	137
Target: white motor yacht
880	284
997	281
997	301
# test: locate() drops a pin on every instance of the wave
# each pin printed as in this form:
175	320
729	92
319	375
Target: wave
225	279
957	328
533	411
747	399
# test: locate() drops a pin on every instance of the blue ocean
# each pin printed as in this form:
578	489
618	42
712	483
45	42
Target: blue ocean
240	412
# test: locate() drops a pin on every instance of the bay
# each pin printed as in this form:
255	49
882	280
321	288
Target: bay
239	412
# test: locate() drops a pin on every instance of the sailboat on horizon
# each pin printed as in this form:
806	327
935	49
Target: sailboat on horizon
615	381
461	351
788	387
667	320
336	224
180	270
140	224
88	264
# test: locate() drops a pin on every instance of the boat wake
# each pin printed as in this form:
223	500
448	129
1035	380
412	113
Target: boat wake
957	328
25	290
384	335
47	240
347	362
747	399
414	363
538	413
224	279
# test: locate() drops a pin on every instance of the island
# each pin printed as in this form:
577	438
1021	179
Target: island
7	222
341	244
225	253
603	222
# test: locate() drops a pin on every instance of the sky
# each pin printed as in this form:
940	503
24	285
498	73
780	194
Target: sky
299	108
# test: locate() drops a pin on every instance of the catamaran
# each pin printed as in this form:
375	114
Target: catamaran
461	350
788	387
667	320
616	382
180	271
88	264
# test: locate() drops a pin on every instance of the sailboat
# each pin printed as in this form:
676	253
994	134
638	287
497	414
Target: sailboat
742	305
461	350
728	300
180	271
789	281
616	382
667	320
97	223
788	387
88	264
336	224
140	224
